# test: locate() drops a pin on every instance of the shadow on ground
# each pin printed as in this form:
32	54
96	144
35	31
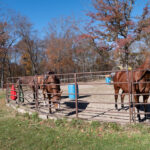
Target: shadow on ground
82	105
80	97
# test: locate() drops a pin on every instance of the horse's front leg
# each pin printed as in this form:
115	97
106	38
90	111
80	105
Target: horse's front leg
34	94
122	99
116	96
136	97
44	95
49	102
34	89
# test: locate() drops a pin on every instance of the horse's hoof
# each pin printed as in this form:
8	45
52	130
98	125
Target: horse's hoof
116	106
57	109
122	106
140	120
145	117
50	112
133	119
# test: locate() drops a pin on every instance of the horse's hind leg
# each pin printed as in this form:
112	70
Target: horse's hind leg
44	95
122	99
145	99
116	96
34	94
136	97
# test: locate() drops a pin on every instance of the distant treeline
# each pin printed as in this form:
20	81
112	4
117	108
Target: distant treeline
111	38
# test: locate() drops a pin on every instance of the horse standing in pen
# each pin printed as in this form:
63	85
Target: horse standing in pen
140	85
48	83
51	85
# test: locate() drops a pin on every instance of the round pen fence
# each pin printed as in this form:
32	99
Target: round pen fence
93	97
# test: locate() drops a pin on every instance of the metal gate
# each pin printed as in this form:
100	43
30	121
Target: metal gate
94	98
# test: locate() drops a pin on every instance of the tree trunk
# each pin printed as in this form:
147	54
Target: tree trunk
126	56
9	68
2	75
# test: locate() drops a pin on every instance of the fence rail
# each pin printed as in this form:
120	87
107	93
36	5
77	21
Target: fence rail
94	98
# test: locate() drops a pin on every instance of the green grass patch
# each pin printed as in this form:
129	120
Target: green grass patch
28	132
2	95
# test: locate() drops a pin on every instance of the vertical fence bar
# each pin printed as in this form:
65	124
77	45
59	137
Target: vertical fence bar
7	91
18	86
76	94
133	102
129	94
20	92
36	93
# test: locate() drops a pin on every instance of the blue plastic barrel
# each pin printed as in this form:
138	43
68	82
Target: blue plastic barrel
108	80
71	91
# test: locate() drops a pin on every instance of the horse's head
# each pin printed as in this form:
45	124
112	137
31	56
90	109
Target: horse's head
142	74
143	69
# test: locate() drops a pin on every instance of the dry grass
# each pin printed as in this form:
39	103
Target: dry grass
29	132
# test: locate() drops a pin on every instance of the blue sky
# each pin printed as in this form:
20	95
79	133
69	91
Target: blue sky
40	12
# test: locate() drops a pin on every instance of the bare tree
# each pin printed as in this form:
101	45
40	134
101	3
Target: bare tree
60	40
112	22
28	45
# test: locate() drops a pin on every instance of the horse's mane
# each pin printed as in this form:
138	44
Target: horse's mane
51	72
146	64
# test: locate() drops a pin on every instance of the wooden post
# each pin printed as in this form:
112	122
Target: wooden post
76	94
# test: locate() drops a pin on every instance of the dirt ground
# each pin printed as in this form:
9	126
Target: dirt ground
95	102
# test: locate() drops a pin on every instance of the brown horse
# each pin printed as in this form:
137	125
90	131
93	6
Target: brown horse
140	86
48	83
52	87
30	81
